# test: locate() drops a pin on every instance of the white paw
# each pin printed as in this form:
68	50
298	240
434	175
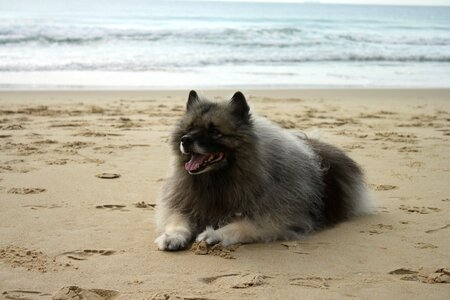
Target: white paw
172	241
210	236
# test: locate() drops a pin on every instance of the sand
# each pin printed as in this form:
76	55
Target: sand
80	174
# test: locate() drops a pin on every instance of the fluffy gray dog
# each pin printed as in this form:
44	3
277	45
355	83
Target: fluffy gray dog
239	178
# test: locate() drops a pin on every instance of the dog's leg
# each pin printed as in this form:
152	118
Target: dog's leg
241	231
177	233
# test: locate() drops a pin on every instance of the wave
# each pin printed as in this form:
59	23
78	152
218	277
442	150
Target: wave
45	39
345	58
394	40
150	65
88	35
274	37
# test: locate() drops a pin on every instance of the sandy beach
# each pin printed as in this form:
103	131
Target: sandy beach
81	171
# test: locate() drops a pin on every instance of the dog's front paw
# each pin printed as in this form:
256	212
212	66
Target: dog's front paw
210	236
172	241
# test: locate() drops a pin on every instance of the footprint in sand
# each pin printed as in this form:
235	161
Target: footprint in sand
387	112
370	116
441	275
35	207
353	146
112	207
12	127
403	271
396	137
59	162
142	204
108	175
312	282
378	229
22	149
166	296
31	260
303	247
177	108
96	109
414	164
14	166
425	246
76	145
26	191
75	292
385	187
85	254
160	296
419	210
445	132
438	229
408	149
68	124
294	245
44	142
90	133
352	134
127	123
23	294
237	281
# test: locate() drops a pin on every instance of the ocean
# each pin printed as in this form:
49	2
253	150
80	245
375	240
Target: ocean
201	44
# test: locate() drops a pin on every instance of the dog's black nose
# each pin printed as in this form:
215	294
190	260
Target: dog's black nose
186	140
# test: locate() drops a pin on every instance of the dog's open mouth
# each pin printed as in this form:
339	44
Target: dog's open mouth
199	162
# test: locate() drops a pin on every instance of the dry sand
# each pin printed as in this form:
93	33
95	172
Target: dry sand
68	232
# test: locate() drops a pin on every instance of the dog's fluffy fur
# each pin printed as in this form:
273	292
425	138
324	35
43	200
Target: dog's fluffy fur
239	178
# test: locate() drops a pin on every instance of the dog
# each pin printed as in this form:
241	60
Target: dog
238	178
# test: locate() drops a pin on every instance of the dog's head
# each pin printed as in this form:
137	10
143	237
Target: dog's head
210	134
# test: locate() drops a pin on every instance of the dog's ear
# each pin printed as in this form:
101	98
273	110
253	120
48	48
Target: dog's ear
239	106
193	98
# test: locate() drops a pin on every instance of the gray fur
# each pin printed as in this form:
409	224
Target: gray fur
271	184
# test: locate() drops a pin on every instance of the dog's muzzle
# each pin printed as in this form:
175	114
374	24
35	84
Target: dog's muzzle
186	143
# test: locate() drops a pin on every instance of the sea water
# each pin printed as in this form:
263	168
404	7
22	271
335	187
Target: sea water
184	44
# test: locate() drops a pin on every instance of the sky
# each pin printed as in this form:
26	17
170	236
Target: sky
381	2
395	2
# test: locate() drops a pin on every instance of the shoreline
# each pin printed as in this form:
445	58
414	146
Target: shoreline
317	88
440	92
354	96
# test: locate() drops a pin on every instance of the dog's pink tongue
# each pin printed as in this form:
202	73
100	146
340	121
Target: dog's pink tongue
195	162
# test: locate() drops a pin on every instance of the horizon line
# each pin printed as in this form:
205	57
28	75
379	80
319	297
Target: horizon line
318	2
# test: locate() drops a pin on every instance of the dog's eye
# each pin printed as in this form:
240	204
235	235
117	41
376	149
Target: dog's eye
215	132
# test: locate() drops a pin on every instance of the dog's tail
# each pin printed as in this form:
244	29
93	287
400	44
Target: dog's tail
345	191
